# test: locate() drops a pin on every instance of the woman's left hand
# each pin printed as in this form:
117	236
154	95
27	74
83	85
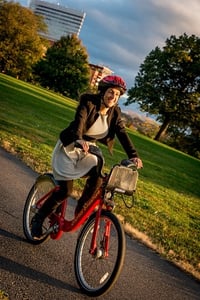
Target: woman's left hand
138	162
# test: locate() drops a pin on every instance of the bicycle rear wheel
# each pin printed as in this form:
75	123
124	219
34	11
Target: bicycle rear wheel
43	184
96	274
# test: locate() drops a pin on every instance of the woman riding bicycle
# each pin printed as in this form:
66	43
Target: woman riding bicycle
97	118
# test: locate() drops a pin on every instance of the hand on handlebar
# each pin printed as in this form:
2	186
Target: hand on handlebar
138	162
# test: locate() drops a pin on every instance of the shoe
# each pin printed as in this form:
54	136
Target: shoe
36	226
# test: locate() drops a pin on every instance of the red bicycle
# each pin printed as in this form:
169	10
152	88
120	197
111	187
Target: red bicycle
100	248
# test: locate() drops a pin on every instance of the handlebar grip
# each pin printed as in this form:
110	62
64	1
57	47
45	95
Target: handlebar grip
77	145
128	163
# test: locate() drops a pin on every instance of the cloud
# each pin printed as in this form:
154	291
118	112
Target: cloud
120	34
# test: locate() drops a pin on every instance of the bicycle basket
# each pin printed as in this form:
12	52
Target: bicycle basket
122	180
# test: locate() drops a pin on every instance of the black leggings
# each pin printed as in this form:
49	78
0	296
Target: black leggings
66	186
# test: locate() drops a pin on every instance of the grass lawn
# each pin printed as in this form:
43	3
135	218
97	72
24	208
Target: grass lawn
167	205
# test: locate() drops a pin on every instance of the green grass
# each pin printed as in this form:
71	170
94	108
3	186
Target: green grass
167	206
3	295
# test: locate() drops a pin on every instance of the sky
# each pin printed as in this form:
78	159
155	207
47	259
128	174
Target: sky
119	34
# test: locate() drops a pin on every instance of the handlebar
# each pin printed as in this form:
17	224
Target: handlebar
92	149
96	151
128	163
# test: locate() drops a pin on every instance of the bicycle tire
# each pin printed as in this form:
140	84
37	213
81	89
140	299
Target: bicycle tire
43	184
96	276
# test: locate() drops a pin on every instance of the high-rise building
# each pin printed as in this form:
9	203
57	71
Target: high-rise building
61	21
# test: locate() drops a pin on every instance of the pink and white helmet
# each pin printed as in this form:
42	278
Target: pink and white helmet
112	81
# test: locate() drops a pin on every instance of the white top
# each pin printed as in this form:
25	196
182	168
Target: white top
100	127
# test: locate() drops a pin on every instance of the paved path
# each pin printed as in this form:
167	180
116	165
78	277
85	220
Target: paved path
46	272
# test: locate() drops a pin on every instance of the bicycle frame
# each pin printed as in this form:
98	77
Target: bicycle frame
101	235
59	224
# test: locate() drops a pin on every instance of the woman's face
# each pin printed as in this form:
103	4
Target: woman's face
111	96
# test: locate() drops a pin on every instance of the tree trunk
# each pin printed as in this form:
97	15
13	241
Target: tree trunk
162	130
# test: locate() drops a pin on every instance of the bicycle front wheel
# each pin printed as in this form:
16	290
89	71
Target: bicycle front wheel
43	185
96	273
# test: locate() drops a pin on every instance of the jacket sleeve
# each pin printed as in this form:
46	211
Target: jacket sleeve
76	129
124	138
80	118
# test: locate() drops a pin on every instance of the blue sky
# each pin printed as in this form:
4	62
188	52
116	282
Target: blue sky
119	34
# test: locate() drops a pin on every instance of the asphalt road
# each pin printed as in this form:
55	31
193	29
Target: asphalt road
46	272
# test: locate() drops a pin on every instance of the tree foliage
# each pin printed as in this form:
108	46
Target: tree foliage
65	68
20	44
168	84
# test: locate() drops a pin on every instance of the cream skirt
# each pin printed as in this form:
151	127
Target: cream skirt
70	162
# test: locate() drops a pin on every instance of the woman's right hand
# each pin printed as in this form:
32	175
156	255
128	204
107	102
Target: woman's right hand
84	145
138	162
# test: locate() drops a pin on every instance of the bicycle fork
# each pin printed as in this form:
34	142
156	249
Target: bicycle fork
101	250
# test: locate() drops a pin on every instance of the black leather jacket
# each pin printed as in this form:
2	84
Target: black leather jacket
86	114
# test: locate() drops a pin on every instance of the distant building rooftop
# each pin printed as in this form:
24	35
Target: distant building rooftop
97	72
61	21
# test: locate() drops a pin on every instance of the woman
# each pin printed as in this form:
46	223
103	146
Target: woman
97	118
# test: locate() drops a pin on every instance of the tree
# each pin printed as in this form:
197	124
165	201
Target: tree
188	142
168	83
65	68
20	43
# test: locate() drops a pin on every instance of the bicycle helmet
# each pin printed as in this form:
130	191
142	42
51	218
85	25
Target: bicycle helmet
112	81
